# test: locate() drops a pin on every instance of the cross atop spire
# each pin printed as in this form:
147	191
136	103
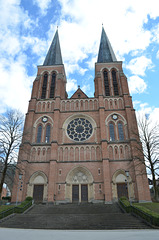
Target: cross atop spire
106	53
54	56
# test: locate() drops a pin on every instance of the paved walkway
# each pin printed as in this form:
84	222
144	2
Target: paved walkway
25	234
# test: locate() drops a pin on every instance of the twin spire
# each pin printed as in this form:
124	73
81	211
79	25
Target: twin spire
54	56
105	54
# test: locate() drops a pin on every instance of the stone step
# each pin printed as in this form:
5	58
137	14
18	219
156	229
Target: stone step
81	217
82	221
74	209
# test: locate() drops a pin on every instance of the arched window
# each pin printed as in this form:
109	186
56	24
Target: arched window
111	132
120	131
47	136
52	88
115	83
106	83
44	87
39	133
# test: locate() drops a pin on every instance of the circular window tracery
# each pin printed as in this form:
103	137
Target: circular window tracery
79	129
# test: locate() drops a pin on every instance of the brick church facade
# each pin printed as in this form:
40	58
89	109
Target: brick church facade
80	148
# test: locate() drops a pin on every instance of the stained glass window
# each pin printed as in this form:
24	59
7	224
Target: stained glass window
47	137
39	132
111	132
120	131
79	129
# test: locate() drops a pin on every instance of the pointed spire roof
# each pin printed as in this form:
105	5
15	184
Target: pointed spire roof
106	53
54	56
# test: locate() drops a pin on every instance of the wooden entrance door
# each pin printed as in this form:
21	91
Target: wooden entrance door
75	193
38	193
122	190
84	193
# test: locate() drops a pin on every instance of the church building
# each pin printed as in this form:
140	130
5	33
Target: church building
80	149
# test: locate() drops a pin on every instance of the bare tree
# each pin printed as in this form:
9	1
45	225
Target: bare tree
148	151
11	131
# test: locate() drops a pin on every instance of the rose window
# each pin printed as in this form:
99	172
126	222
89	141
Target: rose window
79	129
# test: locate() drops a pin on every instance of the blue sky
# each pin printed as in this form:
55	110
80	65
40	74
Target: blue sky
27	28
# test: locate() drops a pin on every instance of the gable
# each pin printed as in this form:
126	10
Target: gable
79	94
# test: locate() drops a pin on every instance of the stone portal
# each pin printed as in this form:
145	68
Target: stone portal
79	185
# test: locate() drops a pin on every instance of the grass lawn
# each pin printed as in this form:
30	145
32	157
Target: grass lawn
151	206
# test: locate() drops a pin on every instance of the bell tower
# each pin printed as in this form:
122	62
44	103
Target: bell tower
116	110
51	78
108	71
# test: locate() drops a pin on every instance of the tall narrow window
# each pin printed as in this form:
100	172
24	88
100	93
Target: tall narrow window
115	83
44	87
106	83
120	131
111	132
39	132
47	136
52	88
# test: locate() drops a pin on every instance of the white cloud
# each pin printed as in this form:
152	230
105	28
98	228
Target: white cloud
71	85
136	85
86	88
13	18
13	15
38	46
154	116
71	68
125	34
139	65
43	5
9	43
136	103
157	55
91	62
15	84
156	33
151	111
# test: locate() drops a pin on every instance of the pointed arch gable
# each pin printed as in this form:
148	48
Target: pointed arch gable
120	172
39	120
49	72
79	169
116	113
42	178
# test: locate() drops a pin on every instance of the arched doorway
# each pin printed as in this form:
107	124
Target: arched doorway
37	187
79	185
121	186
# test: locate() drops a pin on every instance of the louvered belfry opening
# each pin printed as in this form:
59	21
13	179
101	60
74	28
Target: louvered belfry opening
106	83
44	87
52	88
